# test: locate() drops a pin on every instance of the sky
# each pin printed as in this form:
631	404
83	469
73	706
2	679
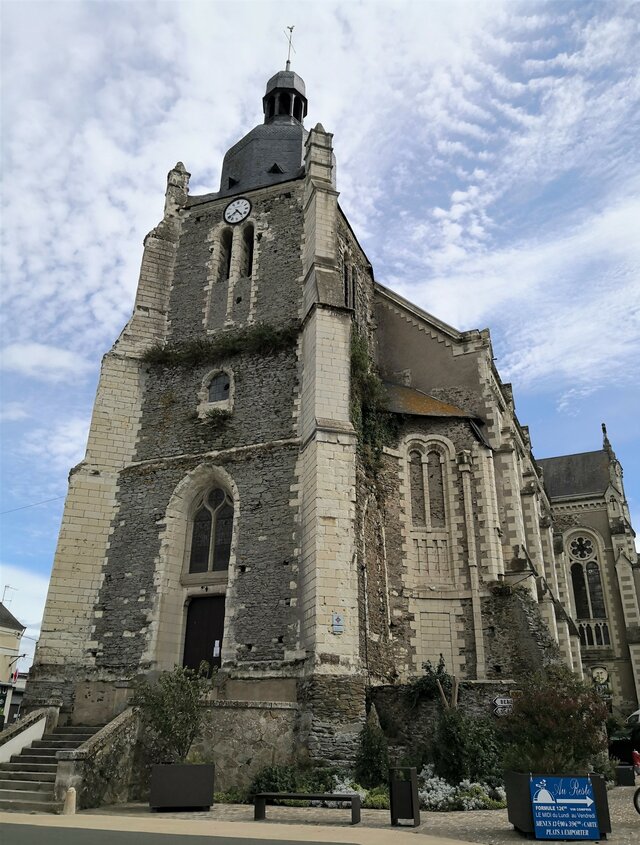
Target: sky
487	160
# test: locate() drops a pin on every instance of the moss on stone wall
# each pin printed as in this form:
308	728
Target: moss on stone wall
261	339
376	427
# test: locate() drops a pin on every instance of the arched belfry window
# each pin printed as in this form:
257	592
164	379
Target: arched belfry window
246	258
588	596
284	103
211	532
224	263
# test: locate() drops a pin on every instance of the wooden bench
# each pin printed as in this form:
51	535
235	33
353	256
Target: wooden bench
261	798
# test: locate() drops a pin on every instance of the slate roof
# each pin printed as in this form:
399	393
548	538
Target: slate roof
408	400
8	620
576	475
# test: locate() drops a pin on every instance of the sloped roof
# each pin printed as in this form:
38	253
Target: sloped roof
408	400
8	620
576	475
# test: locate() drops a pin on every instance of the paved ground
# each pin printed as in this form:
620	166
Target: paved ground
226	823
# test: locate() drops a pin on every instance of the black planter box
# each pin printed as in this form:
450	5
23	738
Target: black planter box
181	786
519	800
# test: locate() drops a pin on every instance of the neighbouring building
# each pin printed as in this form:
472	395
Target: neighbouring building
299	476
11	632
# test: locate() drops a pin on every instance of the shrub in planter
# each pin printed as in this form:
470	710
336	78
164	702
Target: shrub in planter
170	714
557	725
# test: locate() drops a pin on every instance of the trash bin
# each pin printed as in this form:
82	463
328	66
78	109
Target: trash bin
625	776
403	795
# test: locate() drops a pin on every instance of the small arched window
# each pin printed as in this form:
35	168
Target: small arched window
271	106
211	532
224	264
246	264
297	109
219	388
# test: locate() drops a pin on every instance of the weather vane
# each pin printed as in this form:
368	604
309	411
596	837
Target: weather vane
291	47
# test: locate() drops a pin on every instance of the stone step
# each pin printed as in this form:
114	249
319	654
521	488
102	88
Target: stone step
38	752
20	774
78	729
25	795
24	766
19	806
15	783
35	758
55	743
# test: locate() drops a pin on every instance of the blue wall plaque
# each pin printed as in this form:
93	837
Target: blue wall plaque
563	808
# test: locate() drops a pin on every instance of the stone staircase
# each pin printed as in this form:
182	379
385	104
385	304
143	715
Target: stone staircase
26	783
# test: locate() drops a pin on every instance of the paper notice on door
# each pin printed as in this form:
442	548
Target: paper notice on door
216	648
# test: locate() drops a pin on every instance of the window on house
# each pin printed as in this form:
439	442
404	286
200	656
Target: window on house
219	387
211	533
429	538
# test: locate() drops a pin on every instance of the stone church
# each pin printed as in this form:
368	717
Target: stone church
302	478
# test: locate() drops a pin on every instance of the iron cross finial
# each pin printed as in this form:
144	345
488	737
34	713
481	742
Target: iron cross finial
291	47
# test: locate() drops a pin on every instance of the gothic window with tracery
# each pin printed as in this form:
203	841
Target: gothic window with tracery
211	532
588	595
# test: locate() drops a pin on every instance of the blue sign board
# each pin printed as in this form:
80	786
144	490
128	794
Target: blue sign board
563	808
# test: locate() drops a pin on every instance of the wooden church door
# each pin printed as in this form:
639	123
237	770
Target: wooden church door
205	627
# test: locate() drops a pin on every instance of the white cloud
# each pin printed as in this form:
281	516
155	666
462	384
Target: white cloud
13	412
59	446
38	360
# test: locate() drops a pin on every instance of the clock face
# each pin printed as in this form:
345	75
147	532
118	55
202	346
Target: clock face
237	210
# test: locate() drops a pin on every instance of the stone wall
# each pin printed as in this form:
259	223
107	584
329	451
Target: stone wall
241	738
332	715
517	640
101	769
409	722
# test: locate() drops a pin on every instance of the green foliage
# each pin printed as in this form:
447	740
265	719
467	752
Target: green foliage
261	339
372	759
170	712
375	425
216	418
426	686
377	798
275	779
293	779
231	796
466	748
557	725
